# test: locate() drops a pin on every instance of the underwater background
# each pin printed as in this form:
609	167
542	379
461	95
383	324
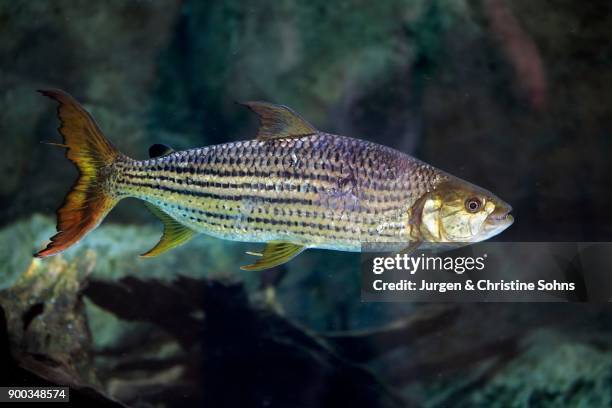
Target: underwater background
513	96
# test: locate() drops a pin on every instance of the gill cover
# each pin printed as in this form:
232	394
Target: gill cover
457	211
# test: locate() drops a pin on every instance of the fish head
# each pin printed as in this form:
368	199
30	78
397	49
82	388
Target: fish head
458	211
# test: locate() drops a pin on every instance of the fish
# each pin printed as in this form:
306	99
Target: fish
292	187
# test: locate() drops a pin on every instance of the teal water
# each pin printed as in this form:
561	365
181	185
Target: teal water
509	95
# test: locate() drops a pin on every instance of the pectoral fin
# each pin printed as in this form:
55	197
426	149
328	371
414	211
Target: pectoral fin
174	234
278	121
275	253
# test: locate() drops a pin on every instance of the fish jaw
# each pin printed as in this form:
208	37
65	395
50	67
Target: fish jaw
498	221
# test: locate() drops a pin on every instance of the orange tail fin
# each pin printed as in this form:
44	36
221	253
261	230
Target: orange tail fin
88	202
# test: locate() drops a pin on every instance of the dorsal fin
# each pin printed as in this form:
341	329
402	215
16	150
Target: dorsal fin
158	150
174	234
278	121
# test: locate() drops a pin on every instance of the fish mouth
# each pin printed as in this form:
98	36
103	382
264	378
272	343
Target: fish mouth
501	215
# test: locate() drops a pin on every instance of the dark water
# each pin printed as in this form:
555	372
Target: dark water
513	96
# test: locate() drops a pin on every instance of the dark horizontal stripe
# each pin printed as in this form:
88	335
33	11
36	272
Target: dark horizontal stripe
217	184
217	171
254	186
239	197
347	229
269	221
349	232
334	174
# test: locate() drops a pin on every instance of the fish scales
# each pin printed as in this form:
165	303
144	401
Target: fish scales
293	188
323	190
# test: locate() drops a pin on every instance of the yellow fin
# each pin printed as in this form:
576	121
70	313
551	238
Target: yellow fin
278	121
174	234
89	201
275	253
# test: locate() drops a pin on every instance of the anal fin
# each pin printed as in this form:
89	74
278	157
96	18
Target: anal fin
275	253
174	234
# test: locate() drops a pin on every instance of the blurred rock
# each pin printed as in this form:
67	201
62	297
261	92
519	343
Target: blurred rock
330	307
569	374
554	372
203	335
235	352
46	321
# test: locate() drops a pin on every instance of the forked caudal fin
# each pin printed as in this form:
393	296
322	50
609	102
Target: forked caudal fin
88	202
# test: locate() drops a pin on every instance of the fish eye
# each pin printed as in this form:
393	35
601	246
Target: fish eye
473	204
